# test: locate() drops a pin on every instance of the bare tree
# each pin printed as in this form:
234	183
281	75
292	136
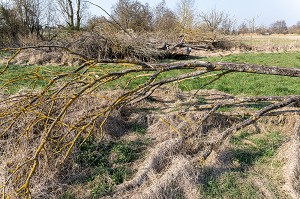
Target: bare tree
279	27
295	29
30	13
133	15
21	18
252	24
73	12
10	26
216	20
50	21
186	13
228	26
243	28
262	29
164	18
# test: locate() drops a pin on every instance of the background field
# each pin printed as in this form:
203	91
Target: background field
271	43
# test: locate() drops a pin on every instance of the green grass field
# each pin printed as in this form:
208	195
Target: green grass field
255	84
18	78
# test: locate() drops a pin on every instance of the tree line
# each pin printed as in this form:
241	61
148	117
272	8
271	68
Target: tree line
23	18
38	18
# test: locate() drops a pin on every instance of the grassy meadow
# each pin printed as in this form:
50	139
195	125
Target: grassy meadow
256	84
18	78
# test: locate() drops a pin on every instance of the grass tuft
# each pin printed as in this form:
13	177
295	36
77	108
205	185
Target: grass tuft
236	183
109	163
230	185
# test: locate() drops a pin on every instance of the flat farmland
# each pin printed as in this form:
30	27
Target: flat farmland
274	42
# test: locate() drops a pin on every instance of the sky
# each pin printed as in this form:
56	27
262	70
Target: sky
265	12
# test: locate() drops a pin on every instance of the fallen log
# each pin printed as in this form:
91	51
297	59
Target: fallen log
235	67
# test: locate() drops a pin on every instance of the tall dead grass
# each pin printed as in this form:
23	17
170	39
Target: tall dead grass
290	155
271	43
21	142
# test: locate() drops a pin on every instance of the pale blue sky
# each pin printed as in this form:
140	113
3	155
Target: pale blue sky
265	11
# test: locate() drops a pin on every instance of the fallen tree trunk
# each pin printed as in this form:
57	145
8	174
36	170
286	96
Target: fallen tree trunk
235	67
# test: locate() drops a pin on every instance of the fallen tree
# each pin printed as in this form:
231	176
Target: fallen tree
40	120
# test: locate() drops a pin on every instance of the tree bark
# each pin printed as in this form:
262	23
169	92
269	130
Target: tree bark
78	13
235	67
70	14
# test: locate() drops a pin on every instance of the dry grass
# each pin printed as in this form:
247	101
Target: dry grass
290	155
158	161
149	182
255	43
272	43
47	183
172	167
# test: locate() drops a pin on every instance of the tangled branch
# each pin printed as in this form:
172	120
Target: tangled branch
44	112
